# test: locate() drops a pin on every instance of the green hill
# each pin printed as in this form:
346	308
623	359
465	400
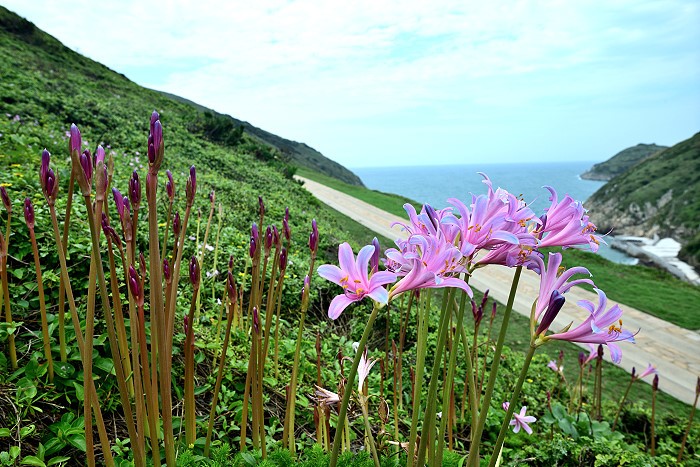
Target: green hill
621	162
660	195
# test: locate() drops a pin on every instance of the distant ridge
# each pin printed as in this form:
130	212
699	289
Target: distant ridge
621	162
299	153
658	196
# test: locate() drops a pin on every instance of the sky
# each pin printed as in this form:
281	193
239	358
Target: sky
411	82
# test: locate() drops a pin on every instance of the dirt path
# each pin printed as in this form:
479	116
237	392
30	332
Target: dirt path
673	350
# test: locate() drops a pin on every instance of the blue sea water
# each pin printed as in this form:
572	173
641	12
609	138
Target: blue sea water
435	184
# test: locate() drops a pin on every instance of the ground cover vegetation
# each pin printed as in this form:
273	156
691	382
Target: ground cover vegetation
192	339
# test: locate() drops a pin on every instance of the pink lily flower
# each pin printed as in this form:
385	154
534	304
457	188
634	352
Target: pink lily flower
353	277
435	263
520	420
566	224
651	370
552	365
601	327
553	278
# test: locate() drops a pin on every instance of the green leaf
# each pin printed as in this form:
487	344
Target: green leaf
78	442
64	370
33	460
105	364
57	460
26	430
4	432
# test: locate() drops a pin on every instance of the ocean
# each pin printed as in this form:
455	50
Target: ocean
434	184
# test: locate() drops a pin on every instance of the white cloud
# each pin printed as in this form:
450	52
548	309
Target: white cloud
295	67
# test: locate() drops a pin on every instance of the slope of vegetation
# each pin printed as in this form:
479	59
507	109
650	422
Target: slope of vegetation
621	162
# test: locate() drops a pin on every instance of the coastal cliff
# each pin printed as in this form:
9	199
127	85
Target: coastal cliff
659	196
621	162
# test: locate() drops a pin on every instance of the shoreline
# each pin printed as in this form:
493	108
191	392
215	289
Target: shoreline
661	252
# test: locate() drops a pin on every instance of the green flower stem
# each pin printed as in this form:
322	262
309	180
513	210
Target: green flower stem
622	401
470	382
219	215
351	378
119	318
42	305
513	401
427	432
99	421
368	428
272	290
202	251
219	378
473	459
288	434
87	360
449	382
62	285
277	327
8	311
423	314
690	424
167	229
653	421
190	420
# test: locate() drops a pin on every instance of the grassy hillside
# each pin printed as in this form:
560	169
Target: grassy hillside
660	196
299	154
621	162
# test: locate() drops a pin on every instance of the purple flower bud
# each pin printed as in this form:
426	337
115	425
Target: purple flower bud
231	286
432	215
135	190
256	320
86	165
76	141
556	301
634	372
485	299
493	310
212	197
155	156
194	272
268	240
230	263
253	247
191	187
283	260
286	213
154	118
51	188
5	199
254	232
104	221
43	171
374	260
286	230
177	224
313	237
655	383
166	271
275	237
581	358
28	213
170	185
101	181
118	202
134	283
99	155
261	206
600	350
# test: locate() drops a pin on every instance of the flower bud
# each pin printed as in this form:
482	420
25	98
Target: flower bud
5	199
493	310
432	215
261	206
28	213
51	189
655	383
268	240
99	155
231	287
253	247
135	284
697	386
170	186
581	358
383	410
230	263
135	190
276	237
256	320
100	181
142	264
374	261
212	197
556	302
485	299
283	260
313	238
118	202
155	154
43	170
600	350
87	169
191	187
166	271
177	224
75	141
194	272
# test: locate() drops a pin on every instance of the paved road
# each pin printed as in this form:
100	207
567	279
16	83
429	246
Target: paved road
673	350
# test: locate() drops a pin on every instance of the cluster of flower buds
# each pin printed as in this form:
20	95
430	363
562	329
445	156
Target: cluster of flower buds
101	178
28	211
156	147
135	285
194	272
167	273
254	240
191	186
135	190
5	199
49	182
170	186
